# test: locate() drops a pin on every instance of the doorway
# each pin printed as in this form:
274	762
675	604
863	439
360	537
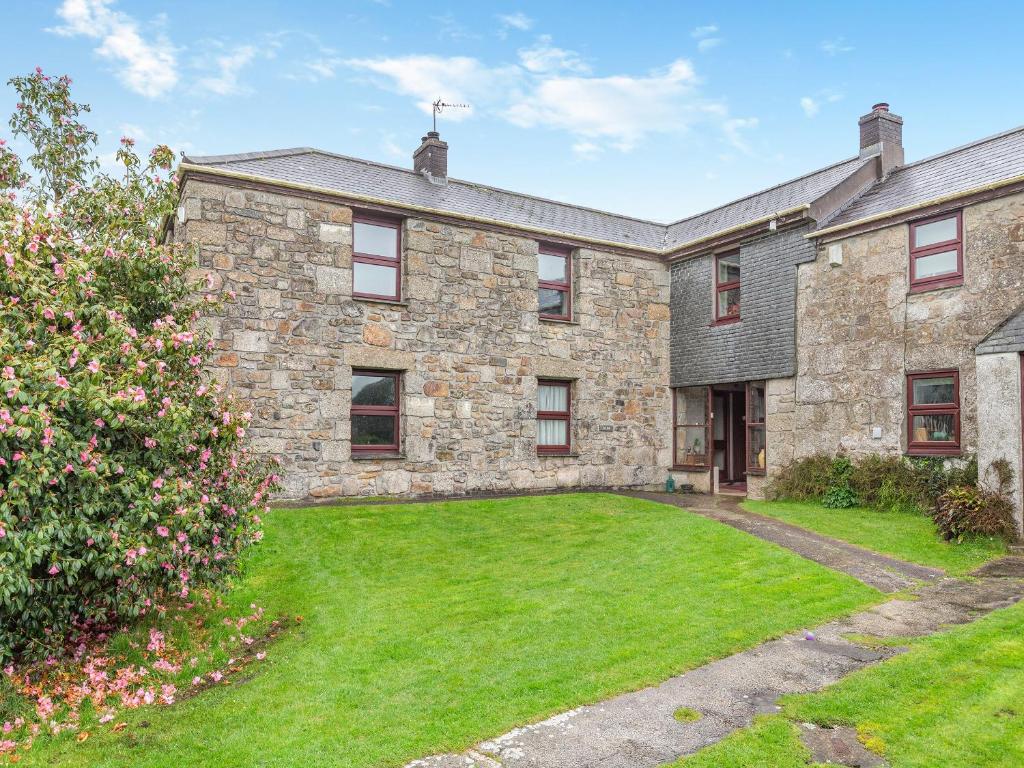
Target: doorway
729	413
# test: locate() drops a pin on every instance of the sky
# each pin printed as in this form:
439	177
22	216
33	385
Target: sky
655	110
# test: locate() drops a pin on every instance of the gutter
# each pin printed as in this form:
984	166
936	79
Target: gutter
667	253
915	207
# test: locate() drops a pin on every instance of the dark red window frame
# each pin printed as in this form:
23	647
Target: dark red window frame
938	281
676	427
383	261
562	286
565	416
933	447
751	424
380	410
721	288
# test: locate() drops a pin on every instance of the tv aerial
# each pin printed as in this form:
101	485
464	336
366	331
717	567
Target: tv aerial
440	106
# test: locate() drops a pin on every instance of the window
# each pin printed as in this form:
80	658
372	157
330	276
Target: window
933	413
554	283
552	416
727	287
376	258
691	427
756	438
936	252
375	424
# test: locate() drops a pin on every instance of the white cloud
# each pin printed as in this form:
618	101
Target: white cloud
545	57
391	148
134	131
517	20
811	105
322	68
835	46
617	111
734	128
621	109
429	77
705	37
228	66
148	67
586	150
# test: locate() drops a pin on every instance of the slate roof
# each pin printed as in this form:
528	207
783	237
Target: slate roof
313	167
949	173
1007	337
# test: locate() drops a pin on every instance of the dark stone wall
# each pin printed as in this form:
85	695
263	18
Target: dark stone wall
762	345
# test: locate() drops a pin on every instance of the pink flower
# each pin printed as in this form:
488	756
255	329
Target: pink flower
33	247
158	483
48	314
8	372
93	366
216	676
54	570
62	382
163	531
261	655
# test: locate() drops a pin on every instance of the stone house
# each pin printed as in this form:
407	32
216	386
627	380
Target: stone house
399	332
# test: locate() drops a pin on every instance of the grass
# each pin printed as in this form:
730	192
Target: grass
905	535
428	627
956	698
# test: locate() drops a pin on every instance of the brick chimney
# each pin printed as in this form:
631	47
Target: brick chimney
881	133
431	157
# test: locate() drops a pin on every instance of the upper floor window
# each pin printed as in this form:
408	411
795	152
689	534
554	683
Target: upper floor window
554	283
375	412
376	258
936	252
727	287
553	415
933	412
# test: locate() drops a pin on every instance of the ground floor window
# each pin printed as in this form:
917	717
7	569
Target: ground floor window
756	437
553	416
691	427
933	412
375	412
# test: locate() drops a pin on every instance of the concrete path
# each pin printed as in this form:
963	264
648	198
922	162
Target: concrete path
883	573
638	729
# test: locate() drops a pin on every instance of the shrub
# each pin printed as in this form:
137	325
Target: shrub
804	480
839	494
893	483
123	475
965	510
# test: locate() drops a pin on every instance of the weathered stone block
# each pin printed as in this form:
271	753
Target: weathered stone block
336	233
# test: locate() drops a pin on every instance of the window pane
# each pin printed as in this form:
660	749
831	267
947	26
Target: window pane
936	232
552	302
728	268
551	267
933	391
373	390
374	279
552	398
373	430
375	240
934	427
691	446
757	409
552	432
934	265
729	303
756	448
691	405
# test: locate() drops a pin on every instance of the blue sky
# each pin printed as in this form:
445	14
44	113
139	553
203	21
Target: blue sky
657	110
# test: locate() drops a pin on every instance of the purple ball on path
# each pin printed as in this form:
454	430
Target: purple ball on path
809	636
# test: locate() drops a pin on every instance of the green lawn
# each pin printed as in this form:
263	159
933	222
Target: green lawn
955	699
429	627
906	535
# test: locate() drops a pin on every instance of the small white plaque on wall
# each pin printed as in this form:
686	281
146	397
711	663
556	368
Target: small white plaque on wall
835	254
876	433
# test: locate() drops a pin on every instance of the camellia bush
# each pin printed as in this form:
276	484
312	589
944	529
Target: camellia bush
124	480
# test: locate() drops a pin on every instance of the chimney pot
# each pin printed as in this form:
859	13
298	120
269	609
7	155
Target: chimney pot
431	158
881	135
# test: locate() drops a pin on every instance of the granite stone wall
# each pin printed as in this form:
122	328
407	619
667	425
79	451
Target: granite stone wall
466	336
860	331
